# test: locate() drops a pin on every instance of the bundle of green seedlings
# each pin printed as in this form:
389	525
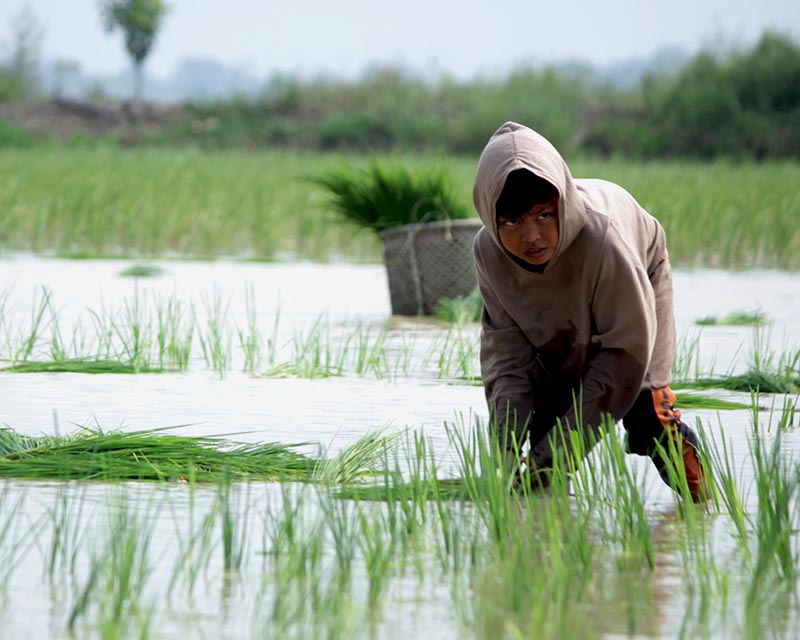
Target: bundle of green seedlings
383	195
158	455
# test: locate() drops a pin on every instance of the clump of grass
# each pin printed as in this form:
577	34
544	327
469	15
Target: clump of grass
736	319
383	196
462	309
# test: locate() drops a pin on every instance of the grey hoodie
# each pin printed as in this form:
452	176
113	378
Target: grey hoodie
584	336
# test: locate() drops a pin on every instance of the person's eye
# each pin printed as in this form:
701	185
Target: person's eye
545	215
509	223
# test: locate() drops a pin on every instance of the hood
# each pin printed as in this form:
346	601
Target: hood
514	146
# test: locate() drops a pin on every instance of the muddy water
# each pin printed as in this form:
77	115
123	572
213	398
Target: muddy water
328	412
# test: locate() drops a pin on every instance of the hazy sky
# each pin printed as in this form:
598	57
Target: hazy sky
346	36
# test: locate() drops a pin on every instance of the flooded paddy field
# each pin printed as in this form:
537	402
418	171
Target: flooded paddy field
309	354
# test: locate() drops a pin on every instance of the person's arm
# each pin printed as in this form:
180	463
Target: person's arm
624	332
507	358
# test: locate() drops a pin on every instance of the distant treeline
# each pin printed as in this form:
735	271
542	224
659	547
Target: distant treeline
743	103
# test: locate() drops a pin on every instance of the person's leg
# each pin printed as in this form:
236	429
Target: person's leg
654	419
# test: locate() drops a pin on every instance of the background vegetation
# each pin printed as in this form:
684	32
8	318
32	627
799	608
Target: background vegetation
737	103
106	201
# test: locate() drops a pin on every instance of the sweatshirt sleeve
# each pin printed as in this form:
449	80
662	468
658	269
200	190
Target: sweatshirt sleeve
506	365
623	336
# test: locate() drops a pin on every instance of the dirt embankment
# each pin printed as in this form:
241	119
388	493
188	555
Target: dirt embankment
66	119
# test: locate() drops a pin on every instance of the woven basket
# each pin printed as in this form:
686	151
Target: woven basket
427	262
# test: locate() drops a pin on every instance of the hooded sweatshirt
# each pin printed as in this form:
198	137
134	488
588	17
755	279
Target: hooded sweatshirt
580	338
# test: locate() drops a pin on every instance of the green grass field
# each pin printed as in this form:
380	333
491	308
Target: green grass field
90	202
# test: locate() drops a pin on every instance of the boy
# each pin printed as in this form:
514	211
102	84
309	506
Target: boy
577	319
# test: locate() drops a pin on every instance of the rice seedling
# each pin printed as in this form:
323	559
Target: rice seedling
66	519
371	355
124	571
376	545
686	365
134	333
586	557
118	574
768	372
194	545
234	528
15	536
249	337
174	334
325	351
340	523
788	418
302	594
119	343
155	334
28	341
460	310
772	572
216	340
458	356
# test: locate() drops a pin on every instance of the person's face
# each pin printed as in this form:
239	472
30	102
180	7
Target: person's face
533	236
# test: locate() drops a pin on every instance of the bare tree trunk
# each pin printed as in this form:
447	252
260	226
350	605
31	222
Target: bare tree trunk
138	83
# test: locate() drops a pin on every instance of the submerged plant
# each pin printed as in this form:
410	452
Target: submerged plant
141	270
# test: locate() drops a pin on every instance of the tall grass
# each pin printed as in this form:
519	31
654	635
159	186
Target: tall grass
159	202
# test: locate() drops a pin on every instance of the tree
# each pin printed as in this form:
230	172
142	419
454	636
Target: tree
19	78
140	21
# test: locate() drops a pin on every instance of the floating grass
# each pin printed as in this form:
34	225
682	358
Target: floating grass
142	271
447	489
697	401
89	366
736	319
